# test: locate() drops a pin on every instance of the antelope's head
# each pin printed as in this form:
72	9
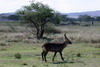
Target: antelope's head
67	40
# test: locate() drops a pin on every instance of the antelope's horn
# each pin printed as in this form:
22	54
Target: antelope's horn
66	36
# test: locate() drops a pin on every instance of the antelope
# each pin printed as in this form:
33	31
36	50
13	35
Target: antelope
54	47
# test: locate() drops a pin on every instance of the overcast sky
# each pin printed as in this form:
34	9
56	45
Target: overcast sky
63	6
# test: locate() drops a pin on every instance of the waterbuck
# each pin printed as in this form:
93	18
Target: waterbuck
54	47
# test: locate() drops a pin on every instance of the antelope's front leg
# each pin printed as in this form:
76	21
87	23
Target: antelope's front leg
54	56
61	56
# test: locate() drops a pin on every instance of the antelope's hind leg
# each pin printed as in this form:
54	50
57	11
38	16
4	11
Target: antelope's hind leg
45	54
42	55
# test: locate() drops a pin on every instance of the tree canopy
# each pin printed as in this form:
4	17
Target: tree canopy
37	14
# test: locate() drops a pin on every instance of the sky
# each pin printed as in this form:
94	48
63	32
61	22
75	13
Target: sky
63	6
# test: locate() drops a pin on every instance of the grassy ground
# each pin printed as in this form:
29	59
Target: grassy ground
84	52
77	55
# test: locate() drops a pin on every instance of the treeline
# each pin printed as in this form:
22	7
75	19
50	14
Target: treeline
58	19
64	18
81	18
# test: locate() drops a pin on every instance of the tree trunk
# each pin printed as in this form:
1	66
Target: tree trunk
92	22
40	33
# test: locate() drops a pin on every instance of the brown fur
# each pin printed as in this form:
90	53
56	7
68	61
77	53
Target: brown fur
54	47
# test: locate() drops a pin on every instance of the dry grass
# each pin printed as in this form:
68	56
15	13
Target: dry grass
3	43
81	34
22	40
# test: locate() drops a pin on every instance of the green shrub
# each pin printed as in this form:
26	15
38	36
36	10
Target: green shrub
34	66
3	49
24	64
52	29
78	54
17	56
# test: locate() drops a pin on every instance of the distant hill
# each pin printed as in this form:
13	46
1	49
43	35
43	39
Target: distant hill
7	14
4	15
90	13
72	15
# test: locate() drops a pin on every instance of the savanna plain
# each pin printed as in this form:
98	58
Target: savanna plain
20	48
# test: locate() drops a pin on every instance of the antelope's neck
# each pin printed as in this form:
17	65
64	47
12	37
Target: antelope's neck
64	44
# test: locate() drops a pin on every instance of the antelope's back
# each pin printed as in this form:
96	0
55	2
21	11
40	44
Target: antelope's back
54	47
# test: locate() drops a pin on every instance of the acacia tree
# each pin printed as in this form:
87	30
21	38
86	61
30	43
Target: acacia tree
65	18
86	18
57	18
38	15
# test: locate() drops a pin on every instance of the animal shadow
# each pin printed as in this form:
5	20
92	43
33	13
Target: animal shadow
60	62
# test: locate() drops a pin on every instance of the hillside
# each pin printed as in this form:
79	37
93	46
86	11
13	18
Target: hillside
4	15
90	13
72	15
